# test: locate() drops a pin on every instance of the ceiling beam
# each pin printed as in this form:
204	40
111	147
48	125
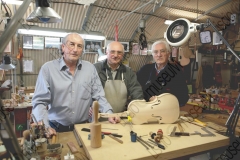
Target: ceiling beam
84	26
147	17
13	25
212	9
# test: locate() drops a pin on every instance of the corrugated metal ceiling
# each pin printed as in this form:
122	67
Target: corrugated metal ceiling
103	15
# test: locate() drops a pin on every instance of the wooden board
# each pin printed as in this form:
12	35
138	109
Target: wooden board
66	137
176	147
221	119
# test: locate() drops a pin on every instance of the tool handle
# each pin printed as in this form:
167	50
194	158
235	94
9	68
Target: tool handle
95	111
116	139
182	134
106	133
95	131
140	139
53	139
200	122
158	144
72	147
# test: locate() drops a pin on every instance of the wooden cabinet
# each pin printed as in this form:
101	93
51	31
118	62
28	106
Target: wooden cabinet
235	79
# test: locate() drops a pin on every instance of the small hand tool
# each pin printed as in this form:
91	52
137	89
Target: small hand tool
116	139
182	134
210	134
200	122
177	134
106	133
140	139
172	134
158	144
77	138
143	144
72	147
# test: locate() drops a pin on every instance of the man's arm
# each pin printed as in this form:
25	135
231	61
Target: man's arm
182	90
134	87
41	97
98	93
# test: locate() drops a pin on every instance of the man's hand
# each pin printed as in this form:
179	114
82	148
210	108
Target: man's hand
50	132
114	120
152	98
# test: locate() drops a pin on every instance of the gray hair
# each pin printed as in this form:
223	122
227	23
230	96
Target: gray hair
162	42
64	40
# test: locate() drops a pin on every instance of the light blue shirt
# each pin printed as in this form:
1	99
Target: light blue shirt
68	97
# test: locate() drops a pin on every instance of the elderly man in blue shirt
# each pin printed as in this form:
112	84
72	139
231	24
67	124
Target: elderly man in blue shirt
66	87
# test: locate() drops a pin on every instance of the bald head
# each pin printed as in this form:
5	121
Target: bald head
115	43
115	51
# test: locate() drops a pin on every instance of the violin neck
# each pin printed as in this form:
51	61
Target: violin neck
107	115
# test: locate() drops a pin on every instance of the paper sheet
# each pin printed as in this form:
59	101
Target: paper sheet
27	65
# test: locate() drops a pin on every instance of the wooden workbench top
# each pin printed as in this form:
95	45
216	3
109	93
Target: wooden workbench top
66	137
175	146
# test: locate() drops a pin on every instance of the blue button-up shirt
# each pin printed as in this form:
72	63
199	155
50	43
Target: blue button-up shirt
68	97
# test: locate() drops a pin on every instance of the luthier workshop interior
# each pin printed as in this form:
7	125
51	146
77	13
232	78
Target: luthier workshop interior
204	40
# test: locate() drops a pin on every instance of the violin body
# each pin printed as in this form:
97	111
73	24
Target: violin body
164	109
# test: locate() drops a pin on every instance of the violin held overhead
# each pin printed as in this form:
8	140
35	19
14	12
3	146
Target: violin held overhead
164	109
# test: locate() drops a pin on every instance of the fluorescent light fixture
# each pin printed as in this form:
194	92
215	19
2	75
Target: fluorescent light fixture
43	13
168	22
57	34
95	37
42	33
17	2
101	58
85	2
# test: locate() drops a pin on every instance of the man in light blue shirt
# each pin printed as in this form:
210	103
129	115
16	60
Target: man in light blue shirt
66	88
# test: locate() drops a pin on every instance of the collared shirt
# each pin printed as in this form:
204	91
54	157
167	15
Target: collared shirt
114	72
111	67
158	71
67	96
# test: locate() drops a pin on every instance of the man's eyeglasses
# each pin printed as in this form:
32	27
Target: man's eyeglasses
118	52
162	51
71	46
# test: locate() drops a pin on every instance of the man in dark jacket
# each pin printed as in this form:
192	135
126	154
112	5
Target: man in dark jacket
163	76
119	81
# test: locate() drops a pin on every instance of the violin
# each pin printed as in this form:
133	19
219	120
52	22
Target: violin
164	109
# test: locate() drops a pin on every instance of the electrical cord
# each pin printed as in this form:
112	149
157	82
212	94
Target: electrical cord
142	40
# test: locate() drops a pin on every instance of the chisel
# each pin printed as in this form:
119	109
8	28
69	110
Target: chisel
106	133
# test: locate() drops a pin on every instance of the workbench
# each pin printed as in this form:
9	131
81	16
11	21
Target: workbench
175	146
66	137
20	118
